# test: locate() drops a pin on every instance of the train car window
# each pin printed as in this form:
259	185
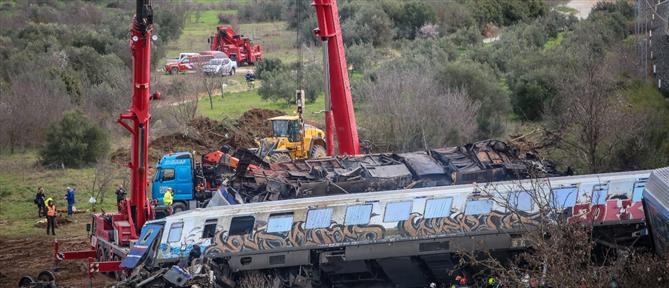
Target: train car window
397	211
168	174
209	228
438	207
278	223
564	197
637	193
599	194
175	232
318	218
521	201
358	214
241	225
478	207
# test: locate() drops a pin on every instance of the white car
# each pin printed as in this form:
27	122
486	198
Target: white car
220	67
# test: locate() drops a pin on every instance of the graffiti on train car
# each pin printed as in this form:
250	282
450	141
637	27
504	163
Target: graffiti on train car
612	210
417	226
298	236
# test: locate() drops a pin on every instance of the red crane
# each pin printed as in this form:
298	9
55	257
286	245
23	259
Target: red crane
339	112
111	233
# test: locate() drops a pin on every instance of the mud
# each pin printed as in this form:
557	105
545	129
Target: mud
32	255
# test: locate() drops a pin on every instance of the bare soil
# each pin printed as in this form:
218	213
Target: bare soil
28	256
205	135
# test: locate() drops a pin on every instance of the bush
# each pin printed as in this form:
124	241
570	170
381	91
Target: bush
482	86
359	57
261	11
266	66
226	19
411	17
280	84
74	142
370	24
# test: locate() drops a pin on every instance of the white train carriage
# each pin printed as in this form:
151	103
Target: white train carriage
405	237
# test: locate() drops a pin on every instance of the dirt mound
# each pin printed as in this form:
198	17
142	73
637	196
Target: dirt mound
205	135
32	255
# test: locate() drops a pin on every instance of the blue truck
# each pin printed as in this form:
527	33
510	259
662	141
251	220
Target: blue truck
180	172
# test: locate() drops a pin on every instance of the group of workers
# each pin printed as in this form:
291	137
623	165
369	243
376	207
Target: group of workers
46	207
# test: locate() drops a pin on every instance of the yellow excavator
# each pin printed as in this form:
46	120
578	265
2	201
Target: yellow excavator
292	138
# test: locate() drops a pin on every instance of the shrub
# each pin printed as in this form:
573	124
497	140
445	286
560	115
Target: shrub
266	66
280	84
74	141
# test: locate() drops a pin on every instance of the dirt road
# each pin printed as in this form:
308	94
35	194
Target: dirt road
582	6
31	255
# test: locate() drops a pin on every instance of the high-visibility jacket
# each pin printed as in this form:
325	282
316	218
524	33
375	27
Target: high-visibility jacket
167	198
51	210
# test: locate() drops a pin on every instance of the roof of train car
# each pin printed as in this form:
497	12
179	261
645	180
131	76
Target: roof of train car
301	203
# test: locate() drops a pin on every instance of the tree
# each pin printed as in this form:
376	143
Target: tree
369	24
74	142
482	86
411	17
407	110
281	84
591	108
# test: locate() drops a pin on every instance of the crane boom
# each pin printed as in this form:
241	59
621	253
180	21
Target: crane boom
341	103
139	113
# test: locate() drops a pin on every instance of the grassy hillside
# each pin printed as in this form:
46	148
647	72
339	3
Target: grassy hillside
234	105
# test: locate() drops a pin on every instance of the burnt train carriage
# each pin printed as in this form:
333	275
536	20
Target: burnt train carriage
482	162
403	237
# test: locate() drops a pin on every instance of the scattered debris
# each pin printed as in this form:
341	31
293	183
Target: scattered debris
484	161
205	135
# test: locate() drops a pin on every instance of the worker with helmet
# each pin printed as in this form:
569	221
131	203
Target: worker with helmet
168	200
51	218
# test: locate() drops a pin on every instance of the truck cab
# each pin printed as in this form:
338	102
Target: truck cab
176	171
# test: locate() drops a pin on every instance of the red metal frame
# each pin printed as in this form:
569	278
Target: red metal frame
227	41
329	30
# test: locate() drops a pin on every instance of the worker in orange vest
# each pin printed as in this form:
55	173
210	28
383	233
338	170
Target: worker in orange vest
51	218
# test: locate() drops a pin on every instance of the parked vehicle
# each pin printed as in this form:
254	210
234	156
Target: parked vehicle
185	55
214	54
220	67
189	63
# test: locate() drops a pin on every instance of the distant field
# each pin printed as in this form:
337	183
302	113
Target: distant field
234	105
276	39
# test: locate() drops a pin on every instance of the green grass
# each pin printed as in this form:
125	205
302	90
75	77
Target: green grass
19	180
235	104
554	42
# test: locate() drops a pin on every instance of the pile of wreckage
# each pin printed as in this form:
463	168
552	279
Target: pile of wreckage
480	162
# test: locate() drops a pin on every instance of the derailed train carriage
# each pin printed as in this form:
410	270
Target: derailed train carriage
481	162
402	238
656	207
